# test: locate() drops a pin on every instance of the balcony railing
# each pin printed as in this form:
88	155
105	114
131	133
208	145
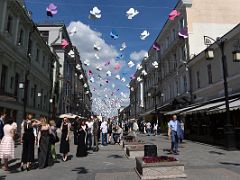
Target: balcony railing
6	96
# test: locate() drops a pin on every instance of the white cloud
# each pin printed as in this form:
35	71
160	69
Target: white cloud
138	56
84	39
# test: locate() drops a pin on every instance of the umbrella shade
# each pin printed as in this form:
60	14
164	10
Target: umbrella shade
68	115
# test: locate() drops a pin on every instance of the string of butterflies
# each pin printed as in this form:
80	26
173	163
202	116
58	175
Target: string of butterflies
95	14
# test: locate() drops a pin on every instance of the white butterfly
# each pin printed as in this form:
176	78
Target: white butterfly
131	13
95	13
123	79
131	64
78	67
96	56
144	73
98	68
155	64
144	35
92	80
86	62
139	67
118	77
146	56
81	76
108	73
85	85
71	54
96	47
139	79
123	46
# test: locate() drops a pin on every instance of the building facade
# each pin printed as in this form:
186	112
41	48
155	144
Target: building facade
168	86
72	76
26	63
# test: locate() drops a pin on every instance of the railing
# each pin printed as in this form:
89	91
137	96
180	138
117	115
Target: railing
7	96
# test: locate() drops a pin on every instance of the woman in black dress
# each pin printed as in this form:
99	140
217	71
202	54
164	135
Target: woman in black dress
75	126
82	147
44	143
64	144
28	141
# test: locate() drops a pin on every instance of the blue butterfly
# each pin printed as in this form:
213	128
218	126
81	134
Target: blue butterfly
114	34
119	57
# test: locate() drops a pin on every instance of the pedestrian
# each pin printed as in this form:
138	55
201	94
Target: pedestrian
89	124
7	144
155	126
44	144
148	128
56	138
174	130
75	125
2	118
28	141
182	131
135	128
109	131
104	130
81	133
95	133
64	144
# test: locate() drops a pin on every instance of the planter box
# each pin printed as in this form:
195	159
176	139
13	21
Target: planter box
133	151
159	170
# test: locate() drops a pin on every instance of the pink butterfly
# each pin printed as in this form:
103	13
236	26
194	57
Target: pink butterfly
64	43
156	46
51	10
117	67
174	14
107	63
90	73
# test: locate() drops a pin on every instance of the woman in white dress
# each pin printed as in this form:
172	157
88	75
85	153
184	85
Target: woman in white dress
7	144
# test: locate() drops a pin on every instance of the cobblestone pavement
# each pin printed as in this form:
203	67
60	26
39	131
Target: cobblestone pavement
202	162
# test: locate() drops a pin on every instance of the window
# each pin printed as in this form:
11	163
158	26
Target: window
3	78
16	84
183	53
20	38
177	88
45	35
175	60
9	24
185	83
181	24
30	47
173	34
11	82
43	62
167	42
34	95
37	55
209	70
198	80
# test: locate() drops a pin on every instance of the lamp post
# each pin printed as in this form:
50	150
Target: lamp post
229	138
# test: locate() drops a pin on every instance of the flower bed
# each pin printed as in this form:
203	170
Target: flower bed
158	159
159	167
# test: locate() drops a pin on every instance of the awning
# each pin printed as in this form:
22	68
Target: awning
148	112
179	110
233	105
207	107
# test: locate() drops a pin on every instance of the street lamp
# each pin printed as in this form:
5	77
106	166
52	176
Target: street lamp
229	138
236	56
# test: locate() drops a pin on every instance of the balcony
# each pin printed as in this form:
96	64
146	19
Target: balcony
6	96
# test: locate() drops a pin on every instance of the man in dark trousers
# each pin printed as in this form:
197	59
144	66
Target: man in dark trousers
95	133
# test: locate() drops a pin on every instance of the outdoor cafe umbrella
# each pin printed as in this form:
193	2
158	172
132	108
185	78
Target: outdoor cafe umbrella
68	115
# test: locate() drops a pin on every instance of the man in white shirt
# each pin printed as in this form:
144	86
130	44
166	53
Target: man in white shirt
89	124
148	128
173	129
104	130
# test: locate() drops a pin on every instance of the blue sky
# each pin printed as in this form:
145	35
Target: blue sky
152	16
